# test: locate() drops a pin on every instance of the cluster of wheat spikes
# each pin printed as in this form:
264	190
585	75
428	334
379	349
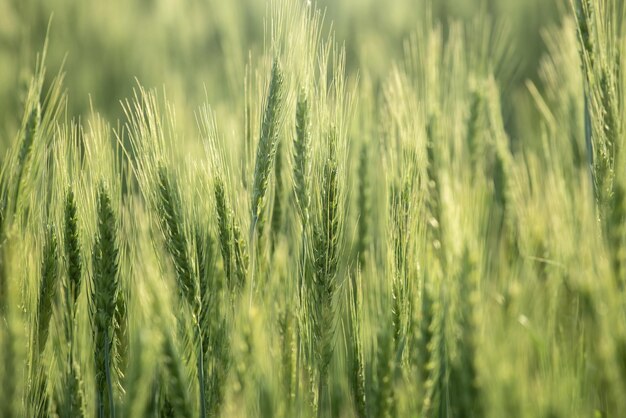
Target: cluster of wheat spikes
340	248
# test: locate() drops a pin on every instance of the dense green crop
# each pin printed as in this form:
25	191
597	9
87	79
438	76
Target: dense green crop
438	235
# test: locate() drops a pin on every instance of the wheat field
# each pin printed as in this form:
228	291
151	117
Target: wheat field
296	209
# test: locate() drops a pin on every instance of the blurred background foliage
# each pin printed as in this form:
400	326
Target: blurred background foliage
198	49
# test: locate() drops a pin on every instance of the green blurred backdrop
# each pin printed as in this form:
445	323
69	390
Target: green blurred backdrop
106	46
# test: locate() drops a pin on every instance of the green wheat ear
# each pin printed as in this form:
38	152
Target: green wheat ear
326	259
176	382
268	142
173	229
357	376
3	275
473	128
242	258
32	126
103	300
616	234
40	401
72	247
385	396
121	334
302	156
172	223
48	287
287	330
464	371
224	222
71	402
8	354
364	206
584	11
214	341
436	386
277	209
